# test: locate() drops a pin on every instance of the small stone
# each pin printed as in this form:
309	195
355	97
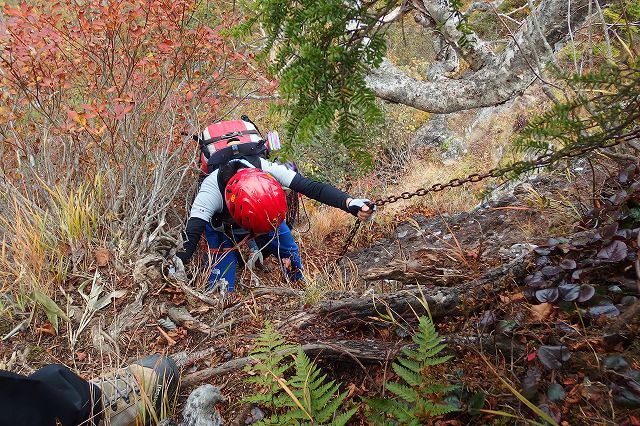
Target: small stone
616	362
401	333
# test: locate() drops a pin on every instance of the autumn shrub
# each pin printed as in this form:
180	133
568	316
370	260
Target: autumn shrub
94	100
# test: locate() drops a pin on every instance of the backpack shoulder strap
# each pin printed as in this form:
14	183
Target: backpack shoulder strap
226	171
230	135
240	151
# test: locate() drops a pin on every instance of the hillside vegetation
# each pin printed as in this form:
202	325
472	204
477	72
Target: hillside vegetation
508	299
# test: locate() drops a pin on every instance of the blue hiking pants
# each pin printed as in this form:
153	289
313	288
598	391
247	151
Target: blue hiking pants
279	243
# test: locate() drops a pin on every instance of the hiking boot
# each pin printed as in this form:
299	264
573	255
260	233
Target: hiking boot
139	393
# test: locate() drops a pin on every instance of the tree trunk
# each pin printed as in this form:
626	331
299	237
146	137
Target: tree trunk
494	79
406	304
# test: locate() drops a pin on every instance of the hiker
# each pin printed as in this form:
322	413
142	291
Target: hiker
53	395
242	198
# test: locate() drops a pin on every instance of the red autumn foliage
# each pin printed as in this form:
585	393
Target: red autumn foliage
112	71
99	93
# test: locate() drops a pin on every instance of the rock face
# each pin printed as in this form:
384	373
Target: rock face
435	133
482	133
442	249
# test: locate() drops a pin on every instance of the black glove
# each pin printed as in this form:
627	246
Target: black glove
356	204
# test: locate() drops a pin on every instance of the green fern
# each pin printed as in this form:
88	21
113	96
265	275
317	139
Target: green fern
306	398
414	398
270	353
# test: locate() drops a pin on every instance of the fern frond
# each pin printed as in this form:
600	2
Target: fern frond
411	377
440	409
343	418
413	404
322	398
327	412
404	392
306	398
438	388
410	364
436	361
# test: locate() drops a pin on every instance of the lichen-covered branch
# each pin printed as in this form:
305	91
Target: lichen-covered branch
494	79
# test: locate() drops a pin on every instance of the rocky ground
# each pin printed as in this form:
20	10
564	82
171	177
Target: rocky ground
537	288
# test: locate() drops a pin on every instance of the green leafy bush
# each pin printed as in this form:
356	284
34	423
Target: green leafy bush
322	51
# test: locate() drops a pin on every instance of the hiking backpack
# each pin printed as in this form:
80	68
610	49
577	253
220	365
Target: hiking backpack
224	141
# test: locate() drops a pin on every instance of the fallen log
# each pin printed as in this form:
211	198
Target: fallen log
442	301
208	373
362	352
359	351
275	291
184	359
182	317
366	351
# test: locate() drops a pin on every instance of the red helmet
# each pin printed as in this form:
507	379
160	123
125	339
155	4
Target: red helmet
255	200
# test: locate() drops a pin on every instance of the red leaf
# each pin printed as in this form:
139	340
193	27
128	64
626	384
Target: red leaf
531	356
166	46
73	115
122	109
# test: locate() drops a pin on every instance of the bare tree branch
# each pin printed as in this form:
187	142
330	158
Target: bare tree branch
500	77
392	84
475	51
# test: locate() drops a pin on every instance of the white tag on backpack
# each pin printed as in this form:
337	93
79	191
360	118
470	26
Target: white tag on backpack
273	140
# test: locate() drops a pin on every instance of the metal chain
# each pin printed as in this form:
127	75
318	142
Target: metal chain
542	161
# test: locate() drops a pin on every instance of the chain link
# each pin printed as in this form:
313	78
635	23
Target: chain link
542	161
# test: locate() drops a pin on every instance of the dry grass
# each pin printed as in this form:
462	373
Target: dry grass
324	221
323	277
423	174
41	247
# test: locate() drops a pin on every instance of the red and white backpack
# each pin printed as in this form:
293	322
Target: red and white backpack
223	141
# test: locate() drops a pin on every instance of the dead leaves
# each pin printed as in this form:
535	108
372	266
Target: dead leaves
541	312
170	338
103	257
47	329
355	390
176	294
